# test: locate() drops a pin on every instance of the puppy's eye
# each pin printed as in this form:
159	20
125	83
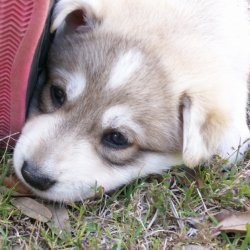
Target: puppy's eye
115	140
58	96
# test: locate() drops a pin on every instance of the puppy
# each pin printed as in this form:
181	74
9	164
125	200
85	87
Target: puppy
135	87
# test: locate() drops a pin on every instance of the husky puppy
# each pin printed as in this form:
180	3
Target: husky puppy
135	87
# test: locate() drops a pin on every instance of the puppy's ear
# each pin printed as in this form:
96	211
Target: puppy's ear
203	127
70	15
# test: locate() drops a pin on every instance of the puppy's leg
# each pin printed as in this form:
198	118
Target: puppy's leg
211	127
202	130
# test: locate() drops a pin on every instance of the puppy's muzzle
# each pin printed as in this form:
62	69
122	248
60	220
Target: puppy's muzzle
35	178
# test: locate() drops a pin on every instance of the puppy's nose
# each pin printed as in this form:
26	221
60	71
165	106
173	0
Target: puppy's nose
33	176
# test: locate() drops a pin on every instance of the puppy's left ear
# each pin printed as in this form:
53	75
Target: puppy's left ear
203	126
69	15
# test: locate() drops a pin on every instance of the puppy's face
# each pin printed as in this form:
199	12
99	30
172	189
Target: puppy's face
105	116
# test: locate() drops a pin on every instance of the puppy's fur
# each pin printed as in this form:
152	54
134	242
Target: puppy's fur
170	76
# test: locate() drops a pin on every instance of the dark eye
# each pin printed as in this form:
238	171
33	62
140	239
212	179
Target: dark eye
115	140
58	96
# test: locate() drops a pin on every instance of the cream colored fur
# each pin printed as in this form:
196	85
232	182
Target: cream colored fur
201	53
205	46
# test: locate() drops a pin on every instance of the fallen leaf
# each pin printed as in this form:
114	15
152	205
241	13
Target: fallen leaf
235	222
32	208
13	182
60	219
223	214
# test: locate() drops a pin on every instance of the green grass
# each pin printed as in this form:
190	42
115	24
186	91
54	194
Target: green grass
167	211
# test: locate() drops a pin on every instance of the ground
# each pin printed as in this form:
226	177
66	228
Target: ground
176	210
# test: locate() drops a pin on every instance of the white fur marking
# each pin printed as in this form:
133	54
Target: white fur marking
118	116
76	83
126	65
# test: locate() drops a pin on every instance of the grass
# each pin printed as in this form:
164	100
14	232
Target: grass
160	212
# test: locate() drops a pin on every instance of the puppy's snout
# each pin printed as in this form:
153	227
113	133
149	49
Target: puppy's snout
35	178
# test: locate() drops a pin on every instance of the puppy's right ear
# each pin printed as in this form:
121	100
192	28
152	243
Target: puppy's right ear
69	15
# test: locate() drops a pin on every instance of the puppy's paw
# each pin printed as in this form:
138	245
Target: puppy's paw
234	144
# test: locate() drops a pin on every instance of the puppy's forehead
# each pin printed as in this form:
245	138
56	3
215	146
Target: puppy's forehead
97	55
94	63
125	66
109	71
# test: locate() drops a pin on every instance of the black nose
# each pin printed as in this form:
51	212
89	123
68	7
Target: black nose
35	178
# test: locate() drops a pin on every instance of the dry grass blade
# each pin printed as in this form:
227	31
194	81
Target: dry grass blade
174	210
32	208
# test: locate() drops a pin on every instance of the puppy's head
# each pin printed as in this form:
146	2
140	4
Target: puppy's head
105	116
